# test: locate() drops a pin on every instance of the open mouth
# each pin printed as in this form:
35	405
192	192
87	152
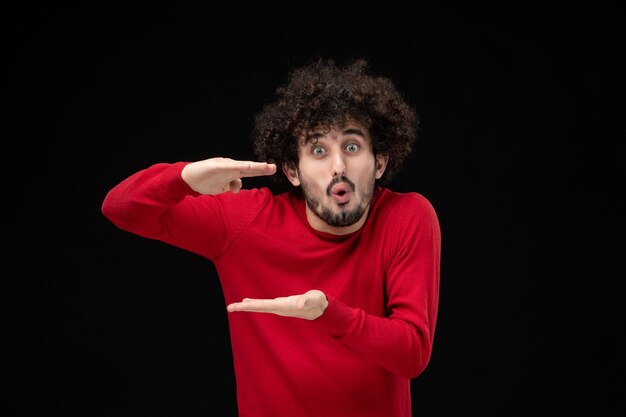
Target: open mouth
341	193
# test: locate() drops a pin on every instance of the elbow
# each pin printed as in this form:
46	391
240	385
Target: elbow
417	367
420	353
113	211
108	210
417	364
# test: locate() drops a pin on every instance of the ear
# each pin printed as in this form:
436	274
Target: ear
292	173
381	164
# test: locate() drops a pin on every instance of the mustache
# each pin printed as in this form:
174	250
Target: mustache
337	180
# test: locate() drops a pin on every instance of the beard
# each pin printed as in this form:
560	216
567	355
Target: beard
343	218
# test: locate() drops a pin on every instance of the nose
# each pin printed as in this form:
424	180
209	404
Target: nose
339	165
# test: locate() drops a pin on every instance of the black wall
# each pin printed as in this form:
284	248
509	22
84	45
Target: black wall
520	151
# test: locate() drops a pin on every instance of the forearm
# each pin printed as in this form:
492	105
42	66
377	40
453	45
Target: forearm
140	202
397	345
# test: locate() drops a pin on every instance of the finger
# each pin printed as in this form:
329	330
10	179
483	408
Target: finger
257	169
250	304
235	185
238	307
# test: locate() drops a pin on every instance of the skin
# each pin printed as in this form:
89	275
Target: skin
337	160
337	170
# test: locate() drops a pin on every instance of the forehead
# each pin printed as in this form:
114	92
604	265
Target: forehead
336	131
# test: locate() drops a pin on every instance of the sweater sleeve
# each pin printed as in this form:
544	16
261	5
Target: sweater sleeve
156	203
402	341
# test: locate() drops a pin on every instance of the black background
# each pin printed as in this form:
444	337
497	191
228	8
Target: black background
520	150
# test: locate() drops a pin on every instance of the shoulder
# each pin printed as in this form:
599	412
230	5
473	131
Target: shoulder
407	212
399	202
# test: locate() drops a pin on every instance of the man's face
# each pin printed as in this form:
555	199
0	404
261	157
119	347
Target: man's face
337	171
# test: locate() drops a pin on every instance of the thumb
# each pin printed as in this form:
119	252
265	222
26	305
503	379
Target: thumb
301	302
235	185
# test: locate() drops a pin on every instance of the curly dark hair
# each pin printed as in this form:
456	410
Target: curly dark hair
323	94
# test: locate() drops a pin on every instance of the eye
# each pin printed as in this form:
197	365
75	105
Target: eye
318	151
353	147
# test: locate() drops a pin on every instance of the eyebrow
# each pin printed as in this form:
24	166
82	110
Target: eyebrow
314	136
354	131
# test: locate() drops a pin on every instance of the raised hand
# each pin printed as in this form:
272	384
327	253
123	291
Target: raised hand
219	175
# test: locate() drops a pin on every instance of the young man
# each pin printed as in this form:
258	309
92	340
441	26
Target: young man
332	288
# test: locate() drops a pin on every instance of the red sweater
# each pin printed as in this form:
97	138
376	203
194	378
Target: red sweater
382	284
